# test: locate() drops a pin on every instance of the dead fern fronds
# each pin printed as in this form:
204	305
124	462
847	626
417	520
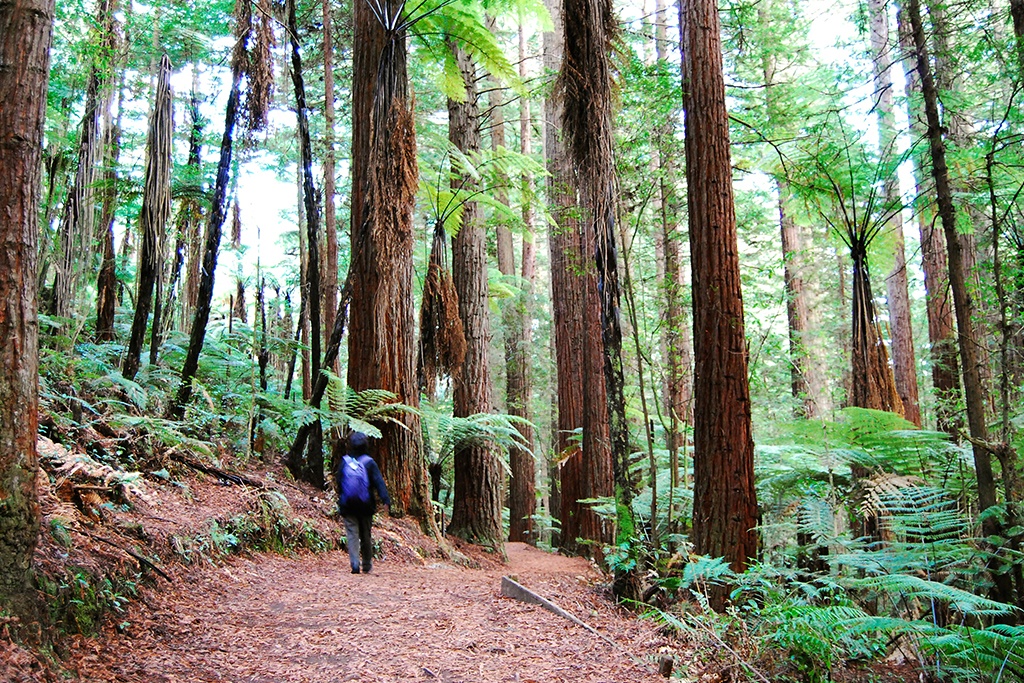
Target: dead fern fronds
261	68
442	337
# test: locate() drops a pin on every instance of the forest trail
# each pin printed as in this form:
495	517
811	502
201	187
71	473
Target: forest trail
274	619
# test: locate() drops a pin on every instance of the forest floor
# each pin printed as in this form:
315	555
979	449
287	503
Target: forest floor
153	576
307	619
181	605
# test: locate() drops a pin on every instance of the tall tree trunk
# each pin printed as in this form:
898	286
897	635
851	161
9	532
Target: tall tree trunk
329	296
381	348
522	500
566	302
189	210
676	347
724	502
77	224
904	362
938	299
190	221
960	126
156	209
974	388
585	80
24	69
212	234
313	468
476	507
106	281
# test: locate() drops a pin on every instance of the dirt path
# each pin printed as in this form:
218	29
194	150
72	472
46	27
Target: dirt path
272	619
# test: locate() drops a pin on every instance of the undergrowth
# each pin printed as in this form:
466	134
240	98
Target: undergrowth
270	527
823	598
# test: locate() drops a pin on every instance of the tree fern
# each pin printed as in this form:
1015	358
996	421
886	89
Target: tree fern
361	411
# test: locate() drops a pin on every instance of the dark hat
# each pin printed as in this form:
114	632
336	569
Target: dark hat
358	443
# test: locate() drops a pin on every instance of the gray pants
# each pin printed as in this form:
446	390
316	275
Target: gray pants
357	533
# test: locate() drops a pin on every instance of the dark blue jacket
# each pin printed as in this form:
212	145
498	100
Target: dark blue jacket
377	489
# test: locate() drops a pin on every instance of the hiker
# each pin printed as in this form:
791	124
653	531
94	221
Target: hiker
359	479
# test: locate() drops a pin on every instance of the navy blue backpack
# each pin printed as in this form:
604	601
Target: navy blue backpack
354	485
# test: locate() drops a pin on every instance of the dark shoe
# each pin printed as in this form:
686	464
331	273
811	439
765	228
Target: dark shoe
366	570
355	570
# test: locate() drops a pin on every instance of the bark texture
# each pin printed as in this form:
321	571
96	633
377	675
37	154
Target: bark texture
566	302
156	209
725	503
24	70
904	361
476	507
938	301
974	388
585	83
381	350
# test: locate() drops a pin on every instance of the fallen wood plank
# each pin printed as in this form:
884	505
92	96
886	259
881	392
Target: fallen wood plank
516	591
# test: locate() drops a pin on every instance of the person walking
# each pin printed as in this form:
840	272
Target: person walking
359	485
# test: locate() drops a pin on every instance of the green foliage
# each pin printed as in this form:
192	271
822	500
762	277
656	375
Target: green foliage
270	526
359	410
79	600
449	434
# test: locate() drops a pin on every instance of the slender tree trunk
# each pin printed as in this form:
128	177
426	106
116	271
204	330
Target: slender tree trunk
938	299
974	388
77	225
313	468
725	502
211	238
522	498
566	303
189	209
106	281
806	378
476	507
382	349
156	209
329	295
190	221
960	126
675	337
24	69
904	362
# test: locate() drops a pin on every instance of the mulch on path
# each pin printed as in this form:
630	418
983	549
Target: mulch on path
274	619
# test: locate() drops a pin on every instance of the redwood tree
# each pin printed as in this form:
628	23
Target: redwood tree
381	345
476	506
24	71
904	363
585	81
724	502
566	304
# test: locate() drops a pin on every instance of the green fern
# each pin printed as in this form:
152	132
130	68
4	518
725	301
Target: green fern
360	411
